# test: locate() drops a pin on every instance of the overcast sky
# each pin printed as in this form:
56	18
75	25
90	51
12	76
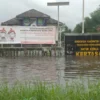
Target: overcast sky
70	15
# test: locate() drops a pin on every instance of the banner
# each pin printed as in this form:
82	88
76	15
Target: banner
27	35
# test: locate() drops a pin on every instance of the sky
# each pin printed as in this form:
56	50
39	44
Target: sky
70	14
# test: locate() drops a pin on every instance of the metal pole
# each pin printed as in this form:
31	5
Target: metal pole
83	19
58	4
60	35
58	28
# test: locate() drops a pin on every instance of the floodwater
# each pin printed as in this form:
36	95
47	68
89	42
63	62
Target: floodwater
50	69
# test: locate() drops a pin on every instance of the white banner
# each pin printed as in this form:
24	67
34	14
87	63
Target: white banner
27	35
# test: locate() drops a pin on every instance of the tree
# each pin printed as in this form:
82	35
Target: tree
91	23
78	28
66	30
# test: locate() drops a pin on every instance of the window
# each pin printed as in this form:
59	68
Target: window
40	22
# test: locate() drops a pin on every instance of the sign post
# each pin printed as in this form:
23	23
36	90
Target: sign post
58	4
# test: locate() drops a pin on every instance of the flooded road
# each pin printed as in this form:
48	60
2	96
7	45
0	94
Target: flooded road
49	69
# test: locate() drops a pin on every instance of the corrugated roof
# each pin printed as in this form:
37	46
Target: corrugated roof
12	21
15	21
80	34
32	14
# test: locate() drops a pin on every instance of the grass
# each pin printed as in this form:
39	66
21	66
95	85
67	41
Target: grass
40	91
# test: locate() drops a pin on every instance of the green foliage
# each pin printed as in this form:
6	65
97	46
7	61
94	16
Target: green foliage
78	28
67	30
43	91
91	23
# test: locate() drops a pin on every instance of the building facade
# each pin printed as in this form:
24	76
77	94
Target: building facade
32	18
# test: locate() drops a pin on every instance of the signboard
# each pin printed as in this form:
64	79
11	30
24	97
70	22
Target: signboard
27	35
9	35
82	45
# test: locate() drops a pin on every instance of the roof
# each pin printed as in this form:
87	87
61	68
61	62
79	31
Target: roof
80	34
53	21
12	21
15	21
32	14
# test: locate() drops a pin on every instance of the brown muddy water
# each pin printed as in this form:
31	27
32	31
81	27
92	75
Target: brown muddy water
50	69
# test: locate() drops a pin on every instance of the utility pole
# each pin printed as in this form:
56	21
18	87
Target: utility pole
58	4
83	17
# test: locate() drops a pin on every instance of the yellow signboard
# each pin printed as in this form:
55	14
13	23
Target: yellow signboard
82	45
88	47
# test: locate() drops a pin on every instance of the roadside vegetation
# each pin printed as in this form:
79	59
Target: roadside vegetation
42	91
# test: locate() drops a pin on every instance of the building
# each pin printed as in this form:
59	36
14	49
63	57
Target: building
32	18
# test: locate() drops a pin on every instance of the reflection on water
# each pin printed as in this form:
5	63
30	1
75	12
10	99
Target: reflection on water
82	66
49	68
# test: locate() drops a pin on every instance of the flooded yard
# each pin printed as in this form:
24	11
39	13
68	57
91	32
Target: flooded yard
49	69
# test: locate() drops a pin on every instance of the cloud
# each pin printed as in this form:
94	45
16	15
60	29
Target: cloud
70	15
